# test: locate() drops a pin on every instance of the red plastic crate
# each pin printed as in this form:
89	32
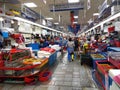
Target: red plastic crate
99	79
117	43
104	66
1	63
44	76
17	35
29	79
111	29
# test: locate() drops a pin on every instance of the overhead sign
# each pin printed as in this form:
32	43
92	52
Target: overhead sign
29	14
67	6
10	1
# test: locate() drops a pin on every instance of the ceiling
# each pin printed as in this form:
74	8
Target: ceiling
84	15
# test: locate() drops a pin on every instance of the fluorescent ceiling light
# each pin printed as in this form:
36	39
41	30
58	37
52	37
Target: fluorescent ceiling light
75	16
95	14
56	23
45	1
43	22
49	18
30	4
73	1
75	22
1	19
12	21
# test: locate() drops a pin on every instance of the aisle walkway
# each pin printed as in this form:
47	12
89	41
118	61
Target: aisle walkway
66	76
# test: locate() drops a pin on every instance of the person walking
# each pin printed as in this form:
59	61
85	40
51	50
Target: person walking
76	48
70	49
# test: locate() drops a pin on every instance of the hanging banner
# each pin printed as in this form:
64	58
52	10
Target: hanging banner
102	7
88	4
74	29
44	1
59	18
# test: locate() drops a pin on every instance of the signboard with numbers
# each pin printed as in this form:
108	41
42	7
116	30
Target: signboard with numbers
67	6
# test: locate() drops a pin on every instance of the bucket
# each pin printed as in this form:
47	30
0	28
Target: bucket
111	29
45	76
117	43
29	79
5	34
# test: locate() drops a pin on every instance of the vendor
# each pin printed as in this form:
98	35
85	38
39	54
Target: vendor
86	46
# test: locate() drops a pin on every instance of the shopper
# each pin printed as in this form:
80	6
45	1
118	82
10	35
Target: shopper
86	47
70	49
76	48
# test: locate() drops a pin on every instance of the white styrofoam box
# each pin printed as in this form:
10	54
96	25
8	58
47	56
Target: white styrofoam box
105	29
42	54
117	26
58	54
56	47
10	30
114	72
22	46
25	27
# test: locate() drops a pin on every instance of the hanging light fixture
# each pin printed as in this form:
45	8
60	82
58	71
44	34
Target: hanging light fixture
56	23
73	1
30	4
44	1
75	16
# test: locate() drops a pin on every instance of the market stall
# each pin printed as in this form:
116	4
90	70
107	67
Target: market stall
19	65
106	70
114	75
97	57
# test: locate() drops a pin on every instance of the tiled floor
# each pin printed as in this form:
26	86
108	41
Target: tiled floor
66	76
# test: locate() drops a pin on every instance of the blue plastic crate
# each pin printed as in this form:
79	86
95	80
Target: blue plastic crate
5	34
35	46
52	58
